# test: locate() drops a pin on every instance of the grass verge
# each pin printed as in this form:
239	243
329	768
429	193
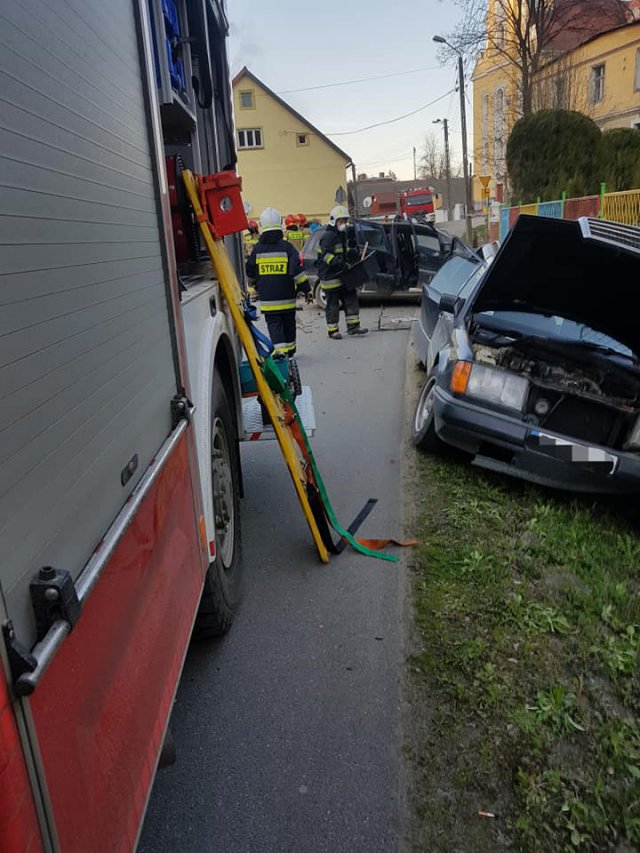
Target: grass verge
525	675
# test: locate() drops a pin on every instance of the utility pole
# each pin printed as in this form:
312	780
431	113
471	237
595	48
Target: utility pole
465	155
355	188
463	123
447	164
415	171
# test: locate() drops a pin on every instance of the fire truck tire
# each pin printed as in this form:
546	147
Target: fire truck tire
222	585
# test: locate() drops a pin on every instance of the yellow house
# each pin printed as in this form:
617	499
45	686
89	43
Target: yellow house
496	105
600	77
285	162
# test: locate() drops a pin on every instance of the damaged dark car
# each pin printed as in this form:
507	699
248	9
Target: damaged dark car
540	377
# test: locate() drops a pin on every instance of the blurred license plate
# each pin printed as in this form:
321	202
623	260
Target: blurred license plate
569	451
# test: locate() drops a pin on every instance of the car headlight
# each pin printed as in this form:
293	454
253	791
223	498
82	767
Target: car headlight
498	386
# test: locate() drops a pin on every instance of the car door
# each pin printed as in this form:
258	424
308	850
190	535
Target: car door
406	255
430	252
372	237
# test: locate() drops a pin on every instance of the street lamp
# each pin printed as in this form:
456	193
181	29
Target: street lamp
463	122
447	162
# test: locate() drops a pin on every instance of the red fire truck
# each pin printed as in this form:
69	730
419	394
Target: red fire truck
121	416
420	203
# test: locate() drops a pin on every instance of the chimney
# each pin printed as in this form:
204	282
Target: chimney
362	176
381	174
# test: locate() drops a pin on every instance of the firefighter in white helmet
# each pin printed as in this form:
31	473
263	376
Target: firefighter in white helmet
334	258
275	269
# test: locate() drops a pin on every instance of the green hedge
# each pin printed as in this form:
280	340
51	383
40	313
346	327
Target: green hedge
556	151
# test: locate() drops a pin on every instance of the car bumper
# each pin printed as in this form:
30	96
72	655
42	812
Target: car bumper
506	444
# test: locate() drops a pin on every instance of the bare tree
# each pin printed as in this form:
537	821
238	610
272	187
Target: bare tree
432	161
560	86
526	33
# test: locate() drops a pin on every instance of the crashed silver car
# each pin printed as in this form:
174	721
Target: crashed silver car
540	375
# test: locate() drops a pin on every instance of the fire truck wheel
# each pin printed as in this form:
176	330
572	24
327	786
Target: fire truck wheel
222	586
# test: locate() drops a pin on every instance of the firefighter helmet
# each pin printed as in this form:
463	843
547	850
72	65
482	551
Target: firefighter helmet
338	212
270	220
301	219
290	220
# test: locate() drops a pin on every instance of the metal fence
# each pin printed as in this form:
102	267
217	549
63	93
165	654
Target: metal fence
622	207
615	207
552	209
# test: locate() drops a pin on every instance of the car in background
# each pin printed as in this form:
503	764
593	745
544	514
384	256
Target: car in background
538	374
401	256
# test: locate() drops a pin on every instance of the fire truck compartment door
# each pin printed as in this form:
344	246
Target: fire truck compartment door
86	362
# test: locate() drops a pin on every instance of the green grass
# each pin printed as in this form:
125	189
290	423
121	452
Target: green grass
527	614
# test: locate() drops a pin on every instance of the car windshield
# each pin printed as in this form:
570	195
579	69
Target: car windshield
423	198
557	329
454	275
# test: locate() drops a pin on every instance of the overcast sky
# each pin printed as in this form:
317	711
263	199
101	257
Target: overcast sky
296	45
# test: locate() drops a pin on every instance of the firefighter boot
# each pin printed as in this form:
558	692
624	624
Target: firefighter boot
357	330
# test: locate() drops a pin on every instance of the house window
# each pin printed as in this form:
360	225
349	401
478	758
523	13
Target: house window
597	83
637	77
302	138
498	131
246	100
250	138
485	134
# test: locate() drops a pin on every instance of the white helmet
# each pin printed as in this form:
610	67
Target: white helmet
270	220
338	212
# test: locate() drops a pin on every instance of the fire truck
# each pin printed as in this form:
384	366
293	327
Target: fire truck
420	203
119	374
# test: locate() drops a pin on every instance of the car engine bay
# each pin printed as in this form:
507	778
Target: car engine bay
573	392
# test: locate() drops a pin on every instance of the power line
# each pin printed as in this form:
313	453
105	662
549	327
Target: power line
361	80
391	120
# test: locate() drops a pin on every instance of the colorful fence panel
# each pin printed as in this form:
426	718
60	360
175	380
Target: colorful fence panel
574	208
622	207
529	209
504	223
552	209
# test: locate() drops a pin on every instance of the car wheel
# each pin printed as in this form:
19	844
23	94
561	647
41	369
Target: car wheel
222	584
423	430
320	296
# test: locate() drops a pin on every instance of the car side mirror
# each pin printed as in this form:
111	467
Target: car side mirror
448	303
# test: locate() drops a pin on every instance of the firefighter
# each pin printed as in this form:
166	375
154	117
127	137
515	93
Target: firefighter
303	225
334	256
275	270
294	233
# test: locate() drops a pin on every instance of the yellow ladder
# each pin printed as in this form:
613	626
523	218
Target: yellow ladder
234	296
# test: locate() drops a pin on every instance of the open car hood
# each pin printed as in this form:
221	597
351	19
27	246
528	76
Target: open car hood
586	271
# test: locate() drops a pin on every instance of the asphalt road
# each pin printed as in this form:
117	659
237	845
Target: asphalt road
288	730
